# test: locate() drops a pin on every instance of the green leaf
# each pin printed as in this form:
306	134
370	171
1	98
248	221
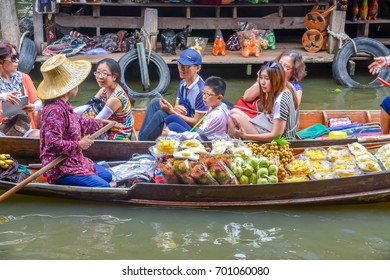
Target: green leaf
281	141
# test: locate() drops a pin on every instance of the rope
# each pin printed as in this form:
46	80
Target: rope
147	36
341	37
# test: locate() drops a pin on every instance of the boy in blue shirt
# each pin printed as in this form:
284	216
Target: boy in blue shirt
189	105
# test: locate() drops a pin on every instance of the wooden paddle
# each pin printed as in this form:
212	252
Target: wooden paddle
383	82
49	166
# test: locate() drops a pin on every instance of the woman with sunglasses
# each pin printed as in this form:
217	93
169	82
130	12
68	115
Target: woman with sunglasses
14	84
112	102
295	70
278	109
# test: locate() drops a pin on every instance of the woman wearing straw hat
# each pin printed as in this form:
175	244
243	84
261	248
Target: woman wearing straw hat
64	132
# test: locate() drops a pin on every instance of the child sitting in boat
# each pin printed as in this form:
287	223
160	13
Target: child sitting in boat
63	132
112	102
374	68
213	124
278	109
189	105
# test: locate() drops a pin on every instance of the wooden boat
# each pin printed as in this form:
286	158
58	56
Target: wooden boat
28	148
370	188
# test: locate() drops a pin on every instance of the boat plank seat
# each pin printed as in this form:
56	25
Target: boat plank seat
311	117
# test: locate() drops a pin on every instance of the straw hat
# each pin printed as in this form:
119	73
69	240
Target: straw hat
61	75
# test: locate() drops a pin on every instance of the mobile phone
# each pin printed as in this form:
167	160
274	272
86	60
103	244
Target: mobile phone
162	98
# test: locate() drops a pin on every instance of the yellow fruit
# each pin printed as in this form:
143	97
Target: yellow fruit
4	166
3	157
7	156
9	161
2	162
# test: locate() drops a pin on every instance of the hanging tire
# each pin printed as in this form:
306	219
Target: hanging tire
28	53
340	63
162	71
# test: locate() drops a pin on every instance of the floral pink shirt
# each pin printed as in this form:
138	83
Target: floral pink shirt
60	131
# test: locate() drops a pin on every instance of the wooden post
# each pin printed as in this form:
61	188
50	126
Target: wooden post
39	37
9	22
336	25
150	26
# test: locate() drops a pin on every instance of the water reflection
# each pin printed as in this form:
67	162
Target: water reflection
33	228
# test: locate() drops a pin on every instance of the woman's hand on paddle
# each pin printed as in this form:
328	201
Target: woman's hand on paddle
12	97
28	108
377	65
85	142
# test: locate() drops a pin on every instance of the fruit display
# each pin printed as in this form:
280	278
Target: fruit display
186	154
315	153
300	167
254	170
166	146
5	161
337	153
202	176
168	171
383	154
281	155
357	149
295	179
193	145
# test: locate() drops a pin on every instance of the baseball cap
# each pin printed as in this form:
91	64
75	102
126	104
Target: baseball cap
189	57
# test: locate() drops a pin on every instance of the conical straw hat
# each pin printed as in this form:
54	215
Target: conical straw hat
61	75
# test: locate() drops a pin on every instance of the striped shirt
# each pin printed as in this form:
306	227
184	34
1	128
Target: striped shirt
284	109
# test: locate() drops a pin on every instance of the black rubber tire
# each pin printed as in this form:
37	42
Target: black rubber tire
340	63
27	54
162	69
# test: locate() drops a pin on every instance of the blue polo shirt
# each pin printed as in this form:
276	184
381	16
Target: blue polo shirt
191	97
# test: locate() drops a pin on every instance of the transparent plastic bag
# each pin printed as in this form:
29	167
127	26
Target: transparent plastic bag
134	168
315	153
220	171
202	176
165	146
183	169
168	171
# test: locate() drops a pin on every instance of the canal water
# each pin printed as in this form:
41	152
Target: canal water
44	229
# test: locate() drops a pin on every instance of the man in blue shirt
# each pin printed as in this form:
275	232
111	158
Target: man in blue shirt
189	103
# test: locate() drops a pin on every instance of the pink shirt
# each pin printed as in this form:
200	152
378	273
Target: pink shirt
61	129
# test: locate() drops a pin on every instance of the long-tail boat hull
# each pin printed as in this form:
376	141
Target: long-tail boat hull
369	188
28	148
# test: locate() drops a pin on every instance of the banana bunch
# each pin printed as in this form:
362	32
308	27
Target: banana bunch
5	161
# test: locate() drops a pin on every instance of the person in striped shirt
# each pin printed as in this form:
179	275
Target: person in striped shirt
278	107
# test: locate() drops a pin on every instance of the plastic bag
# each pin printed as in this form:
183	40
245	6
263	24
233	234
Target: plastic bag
202	176
168	171
183	170
144	168
222	174
164	146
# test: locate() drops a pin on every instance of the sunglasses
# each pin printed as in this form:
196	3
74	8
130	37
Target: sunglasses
13	58
208	94
270	64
